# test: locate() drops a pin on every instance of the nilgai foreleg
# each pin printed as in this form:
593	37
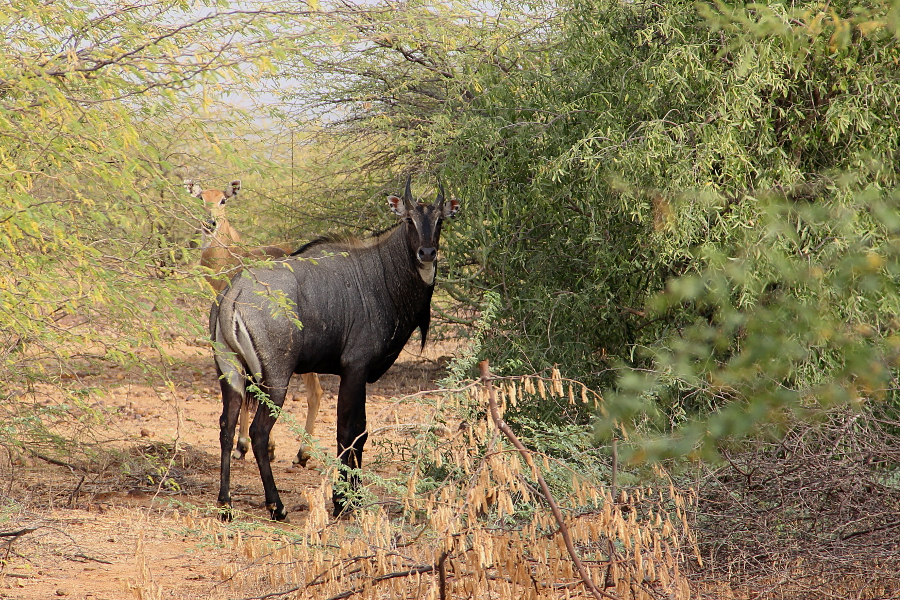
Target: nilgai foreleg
314	394
351	435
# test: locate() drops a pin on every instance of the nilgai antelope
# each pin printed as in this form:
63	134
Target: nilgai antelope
223	254
357	302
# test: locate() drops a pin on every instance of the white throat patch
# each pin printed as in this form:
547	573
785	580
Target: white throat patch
428	272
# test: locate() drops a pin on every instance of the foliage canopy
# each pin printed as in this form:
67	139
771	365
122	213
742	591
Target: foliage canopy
691	204
694	205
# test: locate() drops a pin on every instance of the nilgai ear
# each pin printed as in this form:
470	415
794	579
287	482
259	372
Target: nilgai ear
193	188
398	206
450	208
233	188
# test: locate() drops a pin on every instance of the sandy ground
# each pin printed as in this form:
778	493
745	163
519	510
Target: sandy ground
129	530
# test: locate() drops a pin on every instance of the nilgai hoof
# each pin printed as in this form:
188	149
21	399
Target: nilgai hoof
241	448
302	457
278	514
226	515
342	508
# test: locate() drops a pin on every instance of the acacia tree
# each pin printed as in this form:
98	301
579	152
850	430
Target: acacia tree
104	107
374	87
651	184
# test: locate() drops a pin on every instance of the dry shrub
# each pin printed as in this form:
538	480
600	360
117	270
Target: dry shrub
484	533
812	514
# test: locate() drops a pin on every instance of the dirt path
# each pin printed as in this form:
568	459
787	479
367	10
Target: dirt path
143	527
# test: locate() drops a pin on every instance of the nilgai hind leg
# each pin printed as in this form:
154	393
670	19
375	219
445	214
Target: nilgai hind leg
234	392
314	393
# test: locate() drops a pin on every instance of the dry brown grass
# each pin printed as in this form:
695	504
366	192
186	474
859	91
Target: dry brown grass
813	513
470	537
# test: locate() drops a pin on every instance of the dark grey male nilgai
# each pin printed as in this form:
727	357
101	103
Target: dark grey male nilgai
357	304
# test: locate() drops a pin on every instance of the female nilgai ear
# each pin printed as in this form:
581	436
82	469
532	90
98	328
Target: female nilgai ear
233	188
450	208
193	187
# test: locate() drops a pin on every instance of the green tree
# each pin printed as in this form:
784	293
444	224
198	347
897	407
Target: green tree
701	199
699	193
104	107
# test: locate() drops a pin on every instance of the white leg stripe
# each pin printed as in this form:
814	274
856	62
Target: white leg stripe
228	363
245	346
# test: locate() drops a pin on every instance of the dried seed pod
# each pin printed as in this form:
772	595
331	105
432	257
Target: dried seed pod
556	377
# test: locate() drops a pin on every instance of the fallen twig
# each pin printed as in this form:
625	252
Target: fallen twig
414	571
91	558
18	532
421	569
60	463
73	497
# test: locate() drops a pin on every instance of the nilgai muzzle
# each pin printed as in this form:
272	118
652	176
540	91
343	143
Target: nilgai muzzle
348	312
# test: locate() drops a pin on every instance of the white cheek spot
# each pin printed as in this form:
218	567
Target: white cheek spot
427	273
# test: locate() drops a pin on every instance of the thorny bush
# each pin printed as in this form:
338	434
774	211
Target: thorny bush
814	513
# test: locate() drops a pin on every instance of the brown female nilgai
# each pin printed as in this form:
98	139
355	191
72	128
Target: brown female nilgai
223	255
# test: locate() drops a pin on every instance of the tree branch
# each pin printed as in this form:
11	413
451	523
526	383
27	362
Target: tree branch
554	507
